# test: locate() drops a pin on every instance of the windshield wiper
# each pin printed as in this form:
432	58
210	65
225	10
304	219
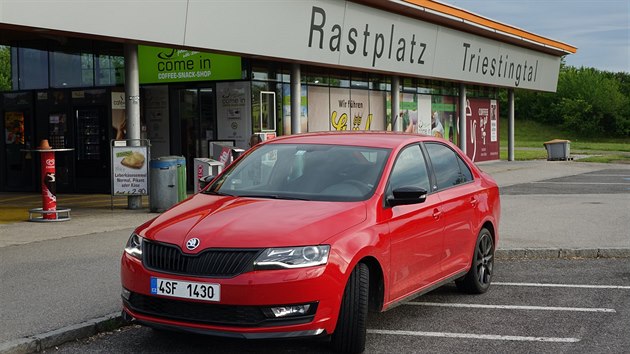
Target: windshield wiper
271	196
218	193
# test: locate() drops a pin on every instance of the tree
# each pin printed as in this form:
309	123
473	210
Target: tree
5	68
588	102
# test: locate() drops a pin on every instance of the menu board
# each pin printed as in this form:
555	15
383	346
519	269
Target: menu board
129	170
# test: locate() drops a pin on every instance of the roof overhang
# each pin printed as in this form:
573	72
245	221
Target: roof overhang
466	21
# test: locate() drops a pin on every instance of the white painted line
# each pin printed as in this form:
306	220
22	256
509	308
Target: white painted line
580	286
512	307
473	336
604	175
579	183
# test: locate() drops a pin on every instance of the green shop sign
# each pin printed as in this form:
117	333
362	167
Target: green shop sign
161	65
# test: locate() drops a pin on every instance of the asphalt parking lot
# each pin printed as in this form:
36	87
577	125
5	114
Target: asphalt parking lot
608	181
553	214
534	306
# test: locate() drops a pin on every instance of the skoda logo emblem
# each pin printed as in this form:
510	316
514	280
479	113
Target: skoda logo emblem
193	243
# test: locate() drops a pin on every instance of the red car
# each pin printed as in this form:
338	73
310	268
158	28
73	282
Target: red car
303	234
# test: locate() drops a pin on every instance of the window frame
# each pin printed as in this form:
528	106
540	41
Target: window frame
435	187
389	191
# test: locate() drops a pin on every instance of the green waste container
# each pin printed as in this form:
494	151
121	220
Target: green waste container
181	178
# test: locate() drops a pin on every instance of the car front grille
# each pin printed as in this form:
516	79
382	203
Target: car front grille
209	313
209	263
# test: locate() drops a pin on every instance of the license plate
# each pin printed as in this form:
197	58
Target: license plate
185	289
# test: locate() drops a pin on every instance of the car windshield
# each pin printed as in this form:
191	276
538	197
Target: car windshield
305	172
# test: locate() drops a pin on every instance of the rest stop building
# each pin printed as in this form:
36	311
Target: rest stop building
184	74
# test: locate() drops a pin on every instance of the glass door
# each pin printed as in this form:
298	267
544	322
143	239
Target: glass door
196	108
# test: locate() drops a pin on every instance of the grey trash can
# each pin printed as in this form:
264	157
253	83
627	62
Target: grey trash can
557	149
164	183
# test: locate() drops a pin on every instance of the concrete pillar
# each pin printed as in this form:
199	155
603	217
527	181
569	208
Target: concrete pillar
396	118
510	124
132	106
296	99
463	138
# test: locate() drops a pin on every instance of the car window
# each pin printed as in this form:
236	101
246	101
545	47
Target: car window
410	169
450	170
309	171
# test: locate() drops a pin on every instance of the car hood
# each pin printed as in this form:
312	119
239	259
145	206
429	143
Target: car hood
239	222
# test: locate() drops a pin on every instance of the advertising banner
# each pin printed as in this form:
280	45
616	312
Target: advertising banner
444	122
344	109
482	129
234	112
161	65
129	169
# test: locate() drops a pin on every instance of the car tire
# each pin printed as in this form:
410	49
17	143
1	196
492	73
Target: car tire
478	278
350	333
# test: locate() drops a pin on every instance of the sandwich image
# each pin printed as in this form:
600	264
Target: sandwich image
133	160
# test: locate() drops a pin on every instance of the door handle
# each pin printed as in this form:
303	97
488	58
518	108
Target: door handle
437	213
474	201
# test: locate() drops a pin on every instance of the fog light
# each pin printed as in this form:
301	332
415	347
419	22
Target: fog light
125	294
287	311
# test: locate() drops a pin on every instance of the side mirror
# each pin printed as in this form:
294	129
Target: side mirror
205	180
407	195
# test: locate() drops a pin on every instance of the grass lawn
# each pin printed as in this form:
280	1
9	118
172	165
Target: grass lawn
529	137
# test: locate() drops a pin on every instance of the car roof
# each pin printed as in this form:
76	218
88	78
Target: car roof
384	139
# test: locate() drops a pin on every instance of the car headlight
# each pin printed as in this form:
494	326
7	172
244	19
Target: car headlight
134	246
292	257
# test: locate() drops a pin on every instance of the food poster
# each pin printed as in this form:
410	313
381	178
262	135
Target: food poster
482	122
130	172
14	128
119	119
344	109
444	122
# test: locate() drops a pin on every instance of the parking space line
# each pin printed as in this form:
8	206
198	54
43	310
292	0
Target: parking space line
595	183
594	175
474	336
511	307
550	285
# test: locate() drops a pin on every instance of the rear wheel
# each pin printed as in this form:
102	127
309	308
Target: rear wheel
349	335
478	278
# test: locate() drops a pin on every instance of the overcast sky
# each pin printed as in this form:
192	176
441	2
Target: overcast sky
600	29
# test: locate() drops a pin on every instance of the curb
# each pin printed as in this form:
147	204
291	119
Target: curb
561	253
40	342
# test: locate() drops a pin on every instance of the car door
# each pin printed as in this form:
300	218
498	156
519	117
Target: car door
456	189
415	230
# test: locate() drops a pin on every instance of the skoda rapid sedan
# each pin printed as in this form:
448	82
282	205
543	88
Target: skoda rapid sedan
304	235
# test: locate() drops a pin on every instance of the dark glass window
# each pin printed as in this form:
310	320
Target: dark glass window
110	70
410	169
33	68
71	69
449	169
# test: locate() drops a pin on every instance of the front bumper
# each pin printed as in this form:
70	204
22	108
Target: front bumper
244	298
229	334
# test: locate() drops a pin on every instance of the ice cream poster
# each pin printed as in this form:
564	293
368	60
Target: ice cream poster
482	123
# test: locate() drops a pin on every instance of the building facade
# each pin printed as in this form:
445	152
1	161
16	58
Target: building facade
220	71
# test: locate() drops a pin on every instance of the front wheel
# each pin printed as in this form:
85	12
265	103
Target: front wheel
350	333
478	278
